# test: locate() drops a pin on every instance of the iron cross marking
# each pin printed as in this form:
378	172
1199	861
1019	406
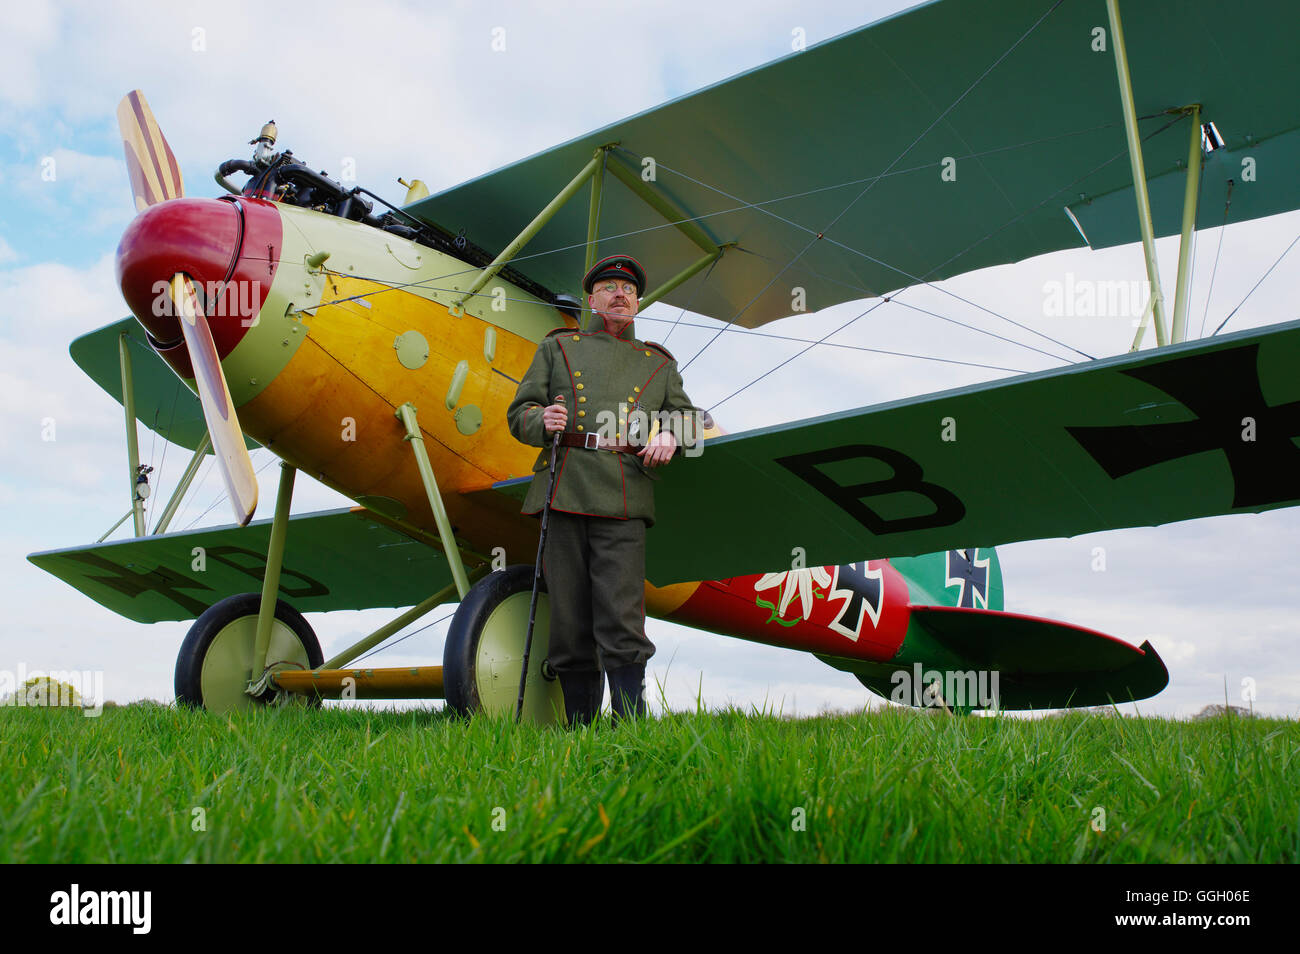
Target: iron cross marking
861	589
966	570
160	580
1221	388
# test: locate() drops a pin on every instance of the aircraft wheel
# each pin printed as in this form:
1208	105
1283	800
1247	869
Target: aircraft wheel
216	658
485	649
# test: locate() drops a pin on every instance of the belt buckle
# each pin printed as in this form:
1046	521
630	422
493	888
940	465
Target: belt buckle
591	441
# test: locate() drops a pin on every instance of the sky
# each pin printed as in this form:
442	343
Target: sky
450	93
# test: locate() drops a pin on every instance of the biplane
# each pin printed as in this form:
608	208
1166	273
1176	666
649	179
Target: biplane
375	346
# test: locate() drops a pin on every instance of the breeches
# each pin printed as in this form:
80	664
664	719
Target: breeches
595	575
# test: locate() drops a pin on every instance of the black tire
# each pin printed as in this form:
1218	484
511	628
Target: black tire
481	677
223	690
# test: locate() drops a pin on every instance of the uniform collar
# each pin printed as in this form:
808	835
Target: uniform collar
597	323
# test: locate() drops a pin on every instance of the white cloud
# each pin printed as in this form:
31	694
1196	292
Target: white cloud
1172	651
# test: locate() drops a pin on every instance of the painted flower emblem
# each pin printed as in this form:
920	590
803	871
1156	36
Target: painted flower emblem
793	581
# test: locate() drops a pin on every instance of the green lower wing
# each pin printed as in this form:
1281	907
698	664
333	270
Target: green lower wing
1192	430
338	559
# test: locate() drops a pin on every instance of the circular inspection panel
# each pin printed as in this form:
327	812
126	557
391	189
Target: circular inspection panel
412	349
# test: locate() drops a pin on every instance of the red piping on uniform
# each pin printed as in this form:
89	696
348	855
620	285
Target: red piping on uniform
622	479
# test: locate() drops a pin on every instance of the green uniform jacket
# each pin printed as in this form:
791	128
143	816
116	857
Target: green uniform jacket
604	381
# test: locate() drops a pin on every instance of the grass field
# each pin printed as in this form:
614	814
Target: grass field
149	783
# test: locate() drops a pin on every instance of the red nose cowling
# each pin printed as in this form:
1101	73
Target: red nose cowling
204	239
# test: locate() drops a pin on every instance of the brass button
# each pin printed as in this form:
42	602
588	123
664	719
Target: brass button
575	338
579	387
582	414
631	399
637	390
579	427
582	400
577	374
647	354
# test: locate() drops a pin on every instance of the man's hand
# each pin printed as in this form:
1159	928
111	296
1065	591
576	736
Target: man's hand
554	418
659	450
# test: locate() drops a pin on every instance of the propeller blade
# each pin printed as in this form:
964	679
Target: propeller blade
155	175
218	410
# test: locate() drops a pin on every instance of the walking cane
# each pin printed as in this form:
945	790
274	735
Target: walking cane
537	569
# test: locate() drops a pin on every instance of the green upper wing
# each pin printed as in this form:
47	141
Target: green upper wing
335	559
163	403
1194	430
849	138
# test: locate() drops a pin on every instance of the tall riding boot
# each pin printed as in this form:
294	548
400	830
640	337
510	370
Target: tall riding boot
582	695
627	692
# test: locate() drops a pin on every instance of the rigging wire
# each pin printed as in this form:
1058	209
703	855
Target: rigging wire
938	119
171	421
1028	211
749	333
915	279
225	493
1256	285
742	207
407	636
745	205
935	314
1053	195
694	295
195	487
871	180
758	206
793	356
1227	201
889	171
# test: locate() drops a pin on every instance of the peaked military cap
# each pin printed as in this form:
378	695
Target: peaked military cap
616	266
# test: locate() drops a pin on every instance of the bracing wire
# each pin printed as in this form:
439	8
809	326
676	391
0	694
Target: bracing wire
843	212
913	278
416	632
694	295
1257	284
170	422
800	353
743	206
225	493
1227	202
749	333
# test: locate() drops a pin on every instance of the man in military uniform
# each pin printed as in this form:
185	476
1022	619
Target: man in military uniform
624	413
